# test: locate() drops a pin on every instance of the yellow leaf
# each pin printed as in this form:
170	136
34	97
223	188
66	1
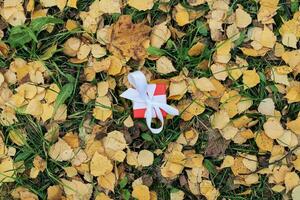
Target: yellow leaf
141	5
278	188
102	196
227	162
264	142
294	125
238	167
182	16
296	193
77	190
70	171
159	35
189	109
7	170
145	158
61	4
54	192
204	84
102	88
128	122
83	51
71	46
250	161
102	110
51	93
291	180
71	24
219	71
268	39
115	66
177	90
132	158
273	128
141	192
243	19
288	139
107	181
109	6
229	131
196	49
290	40
250	78
219	119
208	190
18	136
164	65
293	94
61	113
253	52
30	5
100	160
39	163
98	51
47	112
72	3
177	195
278	49
61	151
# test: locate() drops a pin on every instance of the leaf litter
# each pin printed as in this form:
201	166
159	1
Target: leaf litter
237	73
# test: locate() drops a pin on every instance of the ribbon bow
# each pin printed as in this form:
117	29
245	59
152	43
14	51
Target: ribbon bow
143	97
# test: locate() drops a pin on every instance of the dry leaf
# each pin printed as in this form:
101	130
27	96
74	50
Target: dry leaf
267	107
100	160
7	170
102	110
159	35
294	125
145	158
273	128
77	190
243	19
164	65
141	5
127	39
250	78
141	192
61	151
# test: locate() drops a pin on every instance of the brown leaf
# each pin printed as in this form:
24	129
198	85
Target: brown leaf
127	39
217	145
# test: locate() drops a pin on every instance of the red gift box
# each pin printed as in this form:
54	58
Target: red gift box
160	89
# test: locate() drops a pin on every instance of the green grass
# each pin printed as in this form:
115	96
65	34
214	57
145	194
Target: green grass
177	51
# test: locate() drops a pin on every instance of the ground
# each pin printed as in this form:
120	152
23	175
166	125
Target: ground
231	69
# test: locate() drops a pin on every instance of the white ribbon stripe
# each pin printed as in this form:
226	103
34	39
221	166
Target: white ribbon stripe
143	98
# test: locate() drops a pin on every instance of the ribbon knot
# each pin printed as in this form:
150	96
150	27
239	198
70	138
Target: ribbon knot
143	97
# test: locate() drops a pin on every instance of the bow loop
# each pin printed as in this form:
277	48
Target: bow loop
143	96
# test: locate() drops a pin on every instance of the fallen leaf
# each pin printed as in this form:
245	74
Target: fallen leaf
61	151
243	19
164	65
145	158
141	5
159	35
141	192
127	39
273	128
102	110
97	160
267	107
250	78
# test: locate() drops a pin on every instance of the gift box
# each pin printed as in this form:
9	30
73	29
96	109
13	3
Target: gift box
159	96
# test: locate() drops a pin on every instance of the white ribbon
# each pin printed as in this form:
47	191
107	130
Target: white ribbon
143	97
